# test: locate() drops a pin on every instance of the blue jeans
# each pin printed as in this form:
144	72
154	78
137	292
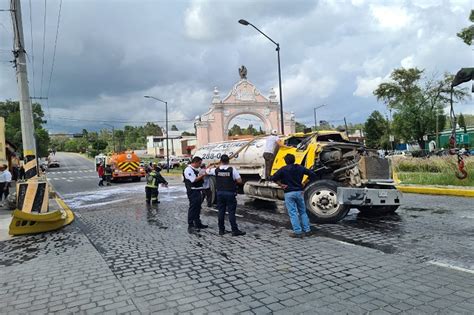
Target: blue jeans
226	202
294	203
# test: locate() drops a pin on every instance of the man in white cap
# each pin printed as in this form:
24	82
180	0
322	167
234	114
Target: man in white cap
272	143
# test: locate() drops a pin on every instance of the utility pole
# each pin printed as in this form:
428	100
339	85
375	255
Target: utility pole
345	124
26	112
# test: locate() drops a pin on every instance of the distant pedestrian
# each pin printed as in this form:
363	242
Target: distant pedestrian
206	187
3	182
272	143
227	179
21	173
153	179
291	176
8	180
194	185
101	172
108	174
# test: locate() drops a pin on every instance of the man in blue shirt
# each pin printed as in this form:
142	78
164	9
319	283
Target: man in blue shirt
291	177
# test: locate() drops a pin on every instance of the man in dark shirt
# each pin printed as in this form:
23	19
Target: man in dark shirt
291	177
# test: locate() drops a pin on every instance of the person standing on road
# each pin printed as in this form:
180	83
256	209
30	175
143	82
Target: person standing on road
291	176
206	188
272	143
194	185
108	174
153	179
100	172
3	181
8	180
227	179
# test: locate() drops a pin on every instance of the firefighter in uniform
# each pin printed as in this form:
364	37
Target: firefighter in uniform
194	185
227	179
153	179
108	174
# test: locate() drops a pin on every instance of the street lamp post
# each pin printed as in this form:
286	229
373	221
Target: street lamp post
245	22
315	120
167	131
113	134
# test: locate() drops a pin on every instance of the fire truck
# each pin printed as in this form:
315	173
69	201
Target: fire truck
125	165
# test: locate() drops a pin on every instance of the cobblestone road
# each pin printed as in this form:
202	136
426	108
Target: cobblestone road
121	257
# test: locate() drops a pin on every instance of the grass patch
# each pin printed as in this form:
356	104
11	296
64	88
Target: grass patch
433	171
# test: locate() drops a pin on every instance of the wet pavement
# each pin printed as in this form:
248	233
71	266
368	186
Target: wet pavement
122	256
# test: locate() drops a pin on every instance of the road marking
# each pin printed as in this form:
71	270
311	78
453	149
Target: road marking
444	265
69	180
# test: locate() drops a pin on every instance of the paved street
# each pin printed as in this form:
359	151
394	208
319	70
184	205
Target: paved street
123	257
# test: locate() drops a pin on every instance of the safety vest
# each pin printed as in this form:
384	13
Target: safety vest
108	171
225	180
187	182
151	180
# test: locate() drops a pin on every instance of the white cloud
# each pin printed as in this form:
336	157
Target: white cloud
408	62
358	3
390	17
302	84
366	86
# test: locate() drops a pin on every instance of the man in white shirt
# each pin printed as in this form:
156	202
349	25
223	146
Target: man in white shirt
194	186
8	179
272	142
227	179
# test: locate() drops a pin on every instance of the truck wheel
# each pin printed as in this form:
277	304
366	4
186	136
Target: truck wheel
377	210
137	179
321	201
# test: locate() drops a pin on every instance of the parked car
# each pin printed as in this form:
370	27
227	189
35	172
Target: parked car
174	162
53	163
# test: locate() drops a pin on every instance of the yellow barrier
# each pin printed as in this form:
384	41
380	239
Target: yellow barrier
31	223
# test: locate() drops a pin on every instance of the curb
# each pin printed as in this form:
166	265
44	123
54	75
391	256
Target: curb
433	190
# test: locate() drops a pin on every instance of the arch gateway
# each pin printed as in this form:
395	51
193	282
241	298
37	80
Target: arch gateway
244	98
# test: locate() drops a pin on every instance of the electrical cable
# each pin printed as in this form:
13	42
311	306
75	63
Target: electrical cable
44	45
32	48
54	58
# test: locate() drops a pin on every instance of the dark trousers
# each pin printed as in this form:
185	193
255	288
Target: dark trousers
226	201
268	157
101	180
151	194
194	211
2	188
6	192
108	179
207	195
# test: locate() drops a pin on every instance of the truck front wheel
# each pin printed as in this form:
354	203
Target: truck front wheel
321	202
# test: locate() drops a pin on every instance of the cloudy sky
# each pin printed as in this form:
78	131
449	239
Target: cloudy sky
112	52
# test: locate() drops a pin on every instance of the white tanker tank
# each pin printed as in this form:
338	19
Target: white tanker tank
247	154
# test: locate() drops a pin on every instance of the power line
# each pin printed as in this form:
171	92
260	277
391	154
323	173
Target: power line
119	121
32	48
44	45
54	57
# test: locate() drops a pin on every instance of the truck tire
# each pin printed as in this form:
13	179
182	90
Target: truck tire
321	202
377	210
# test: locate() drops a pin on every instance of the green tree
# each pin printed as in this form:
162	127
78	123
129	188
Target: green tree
376	131
11	112
299	127
235	130
416	101
467	33
174	128
462	122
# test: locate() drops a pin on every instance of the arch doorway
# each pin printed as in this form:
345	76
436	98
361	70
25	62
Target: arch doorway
243	100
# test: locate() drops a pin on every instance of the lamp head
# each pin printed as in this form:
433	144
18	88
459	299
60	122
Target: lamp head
243	22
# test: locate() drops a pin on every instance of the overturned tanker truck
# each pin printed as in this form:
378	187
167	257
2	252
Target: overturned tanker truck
348	174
